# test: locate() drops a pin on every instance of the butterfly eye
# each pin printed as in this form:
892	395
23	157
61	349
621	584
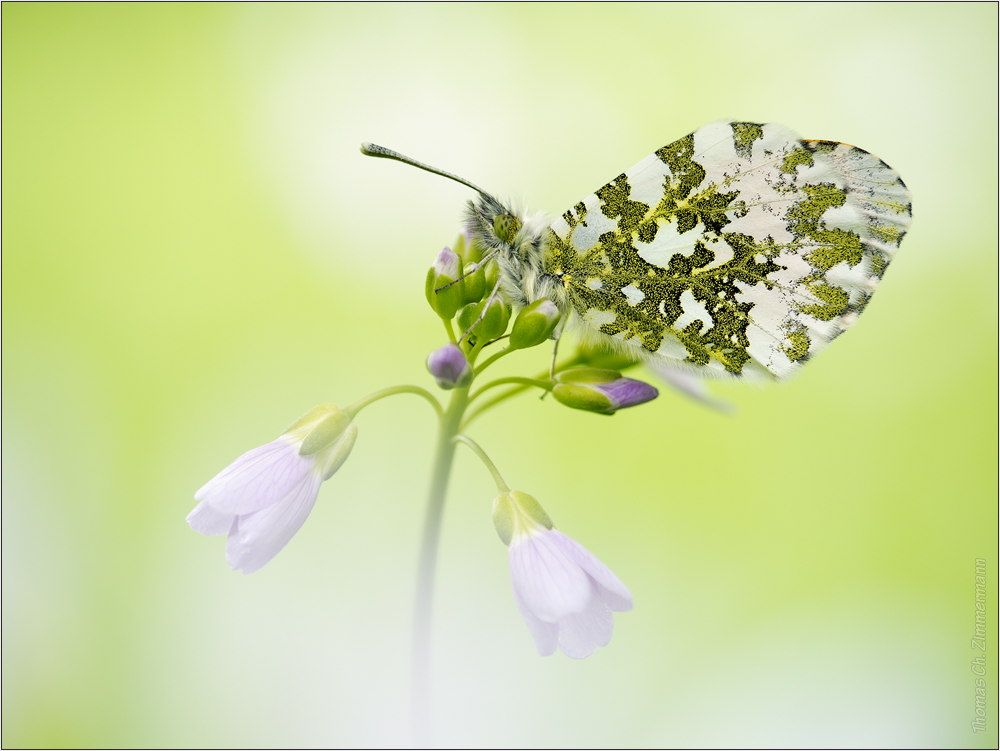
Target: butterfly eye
506	226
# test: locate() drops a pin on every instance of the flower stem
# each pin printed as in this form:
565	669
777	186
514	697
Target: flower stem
443	456
493	358
501	485
546	384
360	404
482	406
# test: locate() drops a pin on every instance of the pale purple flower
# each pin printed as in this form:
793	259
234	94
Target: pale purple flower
262	499
564	593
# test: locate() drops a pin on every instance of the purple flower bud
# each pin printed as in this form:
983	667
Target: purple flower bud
602	391
628	392
449	367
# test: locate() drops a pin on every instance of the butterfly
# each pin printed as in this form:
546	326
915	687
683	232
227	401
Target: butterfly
740	250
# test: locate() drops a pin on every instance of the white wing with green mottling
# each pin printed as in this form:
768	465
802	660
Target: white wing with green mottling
738	250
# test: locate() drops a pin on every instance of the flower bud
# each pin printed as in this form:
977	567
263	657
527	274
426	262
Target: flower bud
461	247
449	367
602	391
534	324
494	323
492	274
475	284
446	269
517	512
473	249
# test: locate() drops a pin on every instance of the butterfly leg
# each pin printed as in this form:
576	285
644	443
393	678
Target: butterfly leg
552	366
478	266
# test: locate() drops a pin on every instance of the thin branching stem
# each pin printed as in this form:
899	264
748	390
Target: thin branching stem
501	485
360	404
542	384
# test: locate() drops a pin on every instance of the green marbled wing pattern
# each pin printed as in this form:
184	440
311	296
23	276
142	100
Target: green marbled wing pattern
738	250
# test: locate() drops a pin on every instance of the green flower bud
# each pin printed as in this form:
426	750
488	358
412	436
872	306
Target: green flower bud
473	250
492	274
601	391
534	324
460	246
494	323
475	284
446	269
506	226
517	511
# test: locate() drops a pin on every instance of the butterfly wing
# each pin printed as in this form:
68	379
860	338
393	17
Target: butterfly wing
740	249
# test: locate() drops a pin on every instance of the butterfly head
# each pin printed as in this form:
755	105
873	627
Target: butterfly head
512	237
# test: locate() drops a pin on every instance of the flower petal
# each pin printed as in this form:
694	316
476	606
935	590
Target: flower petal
257	479
581	633
259	536
546	635
550	584
612	592
208	521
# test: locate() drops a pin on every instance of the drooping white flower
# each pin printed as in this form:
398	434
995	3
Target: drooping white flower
262	499
565	595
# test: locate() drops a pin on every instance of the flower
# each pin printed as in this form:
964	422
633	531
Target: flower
449	367
564	593
262	498
599	390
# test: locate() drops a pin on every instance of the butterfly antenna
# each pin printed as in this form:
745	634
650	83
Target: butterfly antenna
373	149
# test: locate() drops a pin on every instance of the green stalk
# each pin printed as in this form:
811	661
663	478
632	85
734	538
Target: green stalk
353	409
444	454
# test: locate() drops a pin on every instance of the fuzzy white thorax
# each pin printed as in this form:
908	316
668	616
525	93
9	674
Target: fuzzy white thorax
521	259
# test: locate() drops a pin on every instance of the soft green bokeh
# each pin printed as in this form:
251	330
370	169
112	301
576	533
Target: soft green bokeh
195	253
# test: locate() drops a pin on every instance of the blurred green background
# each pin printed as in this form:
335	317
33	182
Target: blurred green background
194	253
